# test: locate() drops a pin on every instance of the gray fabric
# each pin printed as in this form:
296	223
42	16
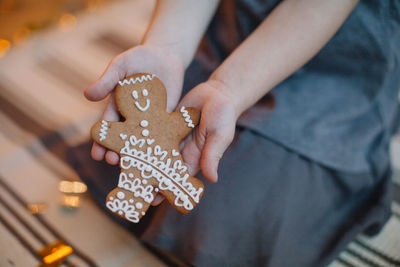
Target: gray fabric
271	207
341	108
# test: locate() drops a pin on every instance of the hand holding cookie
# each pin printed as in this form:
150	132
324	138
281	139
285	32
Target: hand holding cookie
144	58
204	148
148	145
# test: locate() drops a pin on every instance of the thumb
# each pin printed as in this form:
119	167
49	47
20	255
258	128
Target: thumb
191	153
114	72
215	146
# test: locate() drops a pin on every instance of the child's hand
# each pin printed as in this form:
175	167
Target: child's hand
206	145
143	58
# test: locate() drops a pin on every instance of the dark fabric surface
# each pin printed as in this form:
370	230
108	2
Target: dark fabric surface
341	108
271	207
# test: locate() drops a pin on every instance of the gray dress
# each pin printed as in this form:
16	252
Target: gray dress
309	167
303	178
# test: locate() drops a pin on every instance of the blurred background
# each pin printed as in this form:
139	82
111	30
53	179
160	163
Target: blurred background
50	50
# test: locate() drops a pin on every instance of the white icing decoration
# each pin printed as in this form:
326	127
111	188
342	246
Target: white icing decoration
103	130
131	200
139	205
144	182
122	207
145	132
186	115
150	141
156	189
152	165
135	94
145	107
158	151
145	92
144	123
137	79
180	166
123	136
175	153
143	213
131	175
135	186
135	141
120	195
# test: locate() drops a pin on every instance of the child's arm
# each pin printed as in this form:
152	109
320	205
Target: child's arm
291	35
167	49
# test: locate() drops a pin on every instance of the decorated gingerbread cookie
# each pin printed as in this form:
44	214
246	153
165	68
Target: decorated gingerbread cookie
148	145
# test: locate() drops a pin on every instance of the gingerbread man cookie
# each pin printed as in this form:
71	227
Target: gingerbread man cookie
148	145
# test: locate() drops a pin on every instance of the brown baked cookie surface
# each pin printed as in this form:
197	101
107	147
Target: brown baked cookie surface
148	145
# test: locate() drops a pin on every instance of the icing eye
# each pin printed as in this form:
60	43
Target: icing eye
145	92
135	94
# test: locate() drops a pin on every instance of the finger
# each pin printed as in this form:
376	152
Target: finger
112	158
157	200
215	146
110	114
114	72
98	152
191	153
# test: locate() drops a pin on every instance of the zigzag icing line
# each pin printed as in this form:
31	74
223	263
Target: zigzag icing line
165	183
150	158
103	130
186	115
140	79
151	165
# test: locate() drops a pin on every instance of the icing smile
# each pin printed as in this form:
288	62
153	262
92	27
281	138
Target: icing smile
135	95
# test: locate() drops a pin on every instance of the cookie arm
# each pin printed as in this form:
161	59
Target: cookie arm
107	134
187	116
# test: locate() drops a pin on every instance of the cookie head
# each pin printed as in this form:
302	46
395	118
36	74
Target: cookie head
140	93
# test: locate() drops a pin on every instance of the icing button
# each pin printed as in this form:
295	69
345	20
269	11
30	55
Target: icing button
145	132
144	123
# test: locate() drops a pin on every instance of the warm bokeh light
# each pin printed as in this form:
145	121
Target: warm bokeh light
67	22
54	254
72	187
5	45
58	254
70	202
37	208
21	35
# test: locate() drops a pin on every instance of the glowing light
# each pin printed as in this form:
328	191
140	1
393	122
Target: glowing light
36	208
70	201
4	47
67	22
55	253
72	187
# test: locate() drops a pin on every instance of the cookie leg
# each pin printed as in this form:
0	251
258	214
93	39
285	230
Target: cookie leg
124	203
132	197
